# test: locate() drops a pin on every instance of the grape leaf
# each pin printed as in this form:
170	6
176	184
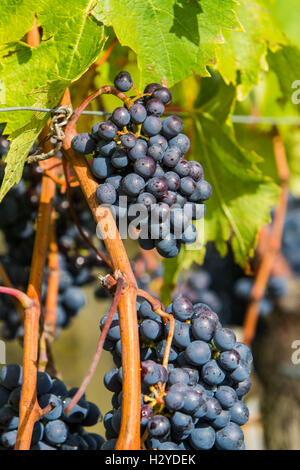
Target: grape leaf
70	43
171	38
287	15
243	56
16	18
286	64
242	195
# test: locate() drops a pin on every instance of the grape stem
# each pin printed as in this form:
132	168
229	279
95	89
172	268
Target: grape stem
29	409
75	218
159	310
80	392
273	246
50	316
24	300
7	283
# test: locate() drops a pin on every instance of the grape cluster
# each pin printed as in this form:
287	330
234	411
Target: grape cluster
144	177
77	260
56	430
207	379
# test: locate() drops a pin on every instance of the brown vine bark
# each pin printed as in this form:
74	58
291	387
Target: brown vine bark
129	437
29	409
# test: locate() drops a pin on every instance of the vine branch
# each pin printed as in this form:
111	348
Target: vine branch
265	267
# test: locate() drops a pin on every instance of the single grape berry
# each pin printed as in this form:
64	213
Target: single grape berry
155	107
145	167
121	117
123	81
83	143
106	193
107	130
163	94
128	140
138	113
151	126
132	184
172	126
157	186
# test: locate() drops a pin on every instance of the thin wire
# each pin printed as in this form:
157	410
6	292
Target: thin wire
49	110
236	119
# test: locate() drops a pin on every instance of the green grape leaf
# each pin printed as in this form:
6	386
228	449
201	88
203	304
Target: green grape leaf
243	56
287	15
286	64
171	38
242	195
240	204
16	19
69	44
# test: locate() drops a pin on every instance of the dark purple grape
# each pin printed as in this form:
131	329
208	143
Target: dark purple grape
163	94
146	414
169	198
159	172
121	117
239	413
147	199
205	190
187	185
128	140
102	167
151	126
229	360
145	167
171	157
139	150
226	396
155	107
107	130
196	171
172	126
197	353
119	159
106	194
105	147
203	328
150	372
173	180
224	339
138	113
182	141
157	186
156	152
158	426
212	374
133	184
174	400
182	308
182	168
151	87
159	140
115	181
123	81
83	143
